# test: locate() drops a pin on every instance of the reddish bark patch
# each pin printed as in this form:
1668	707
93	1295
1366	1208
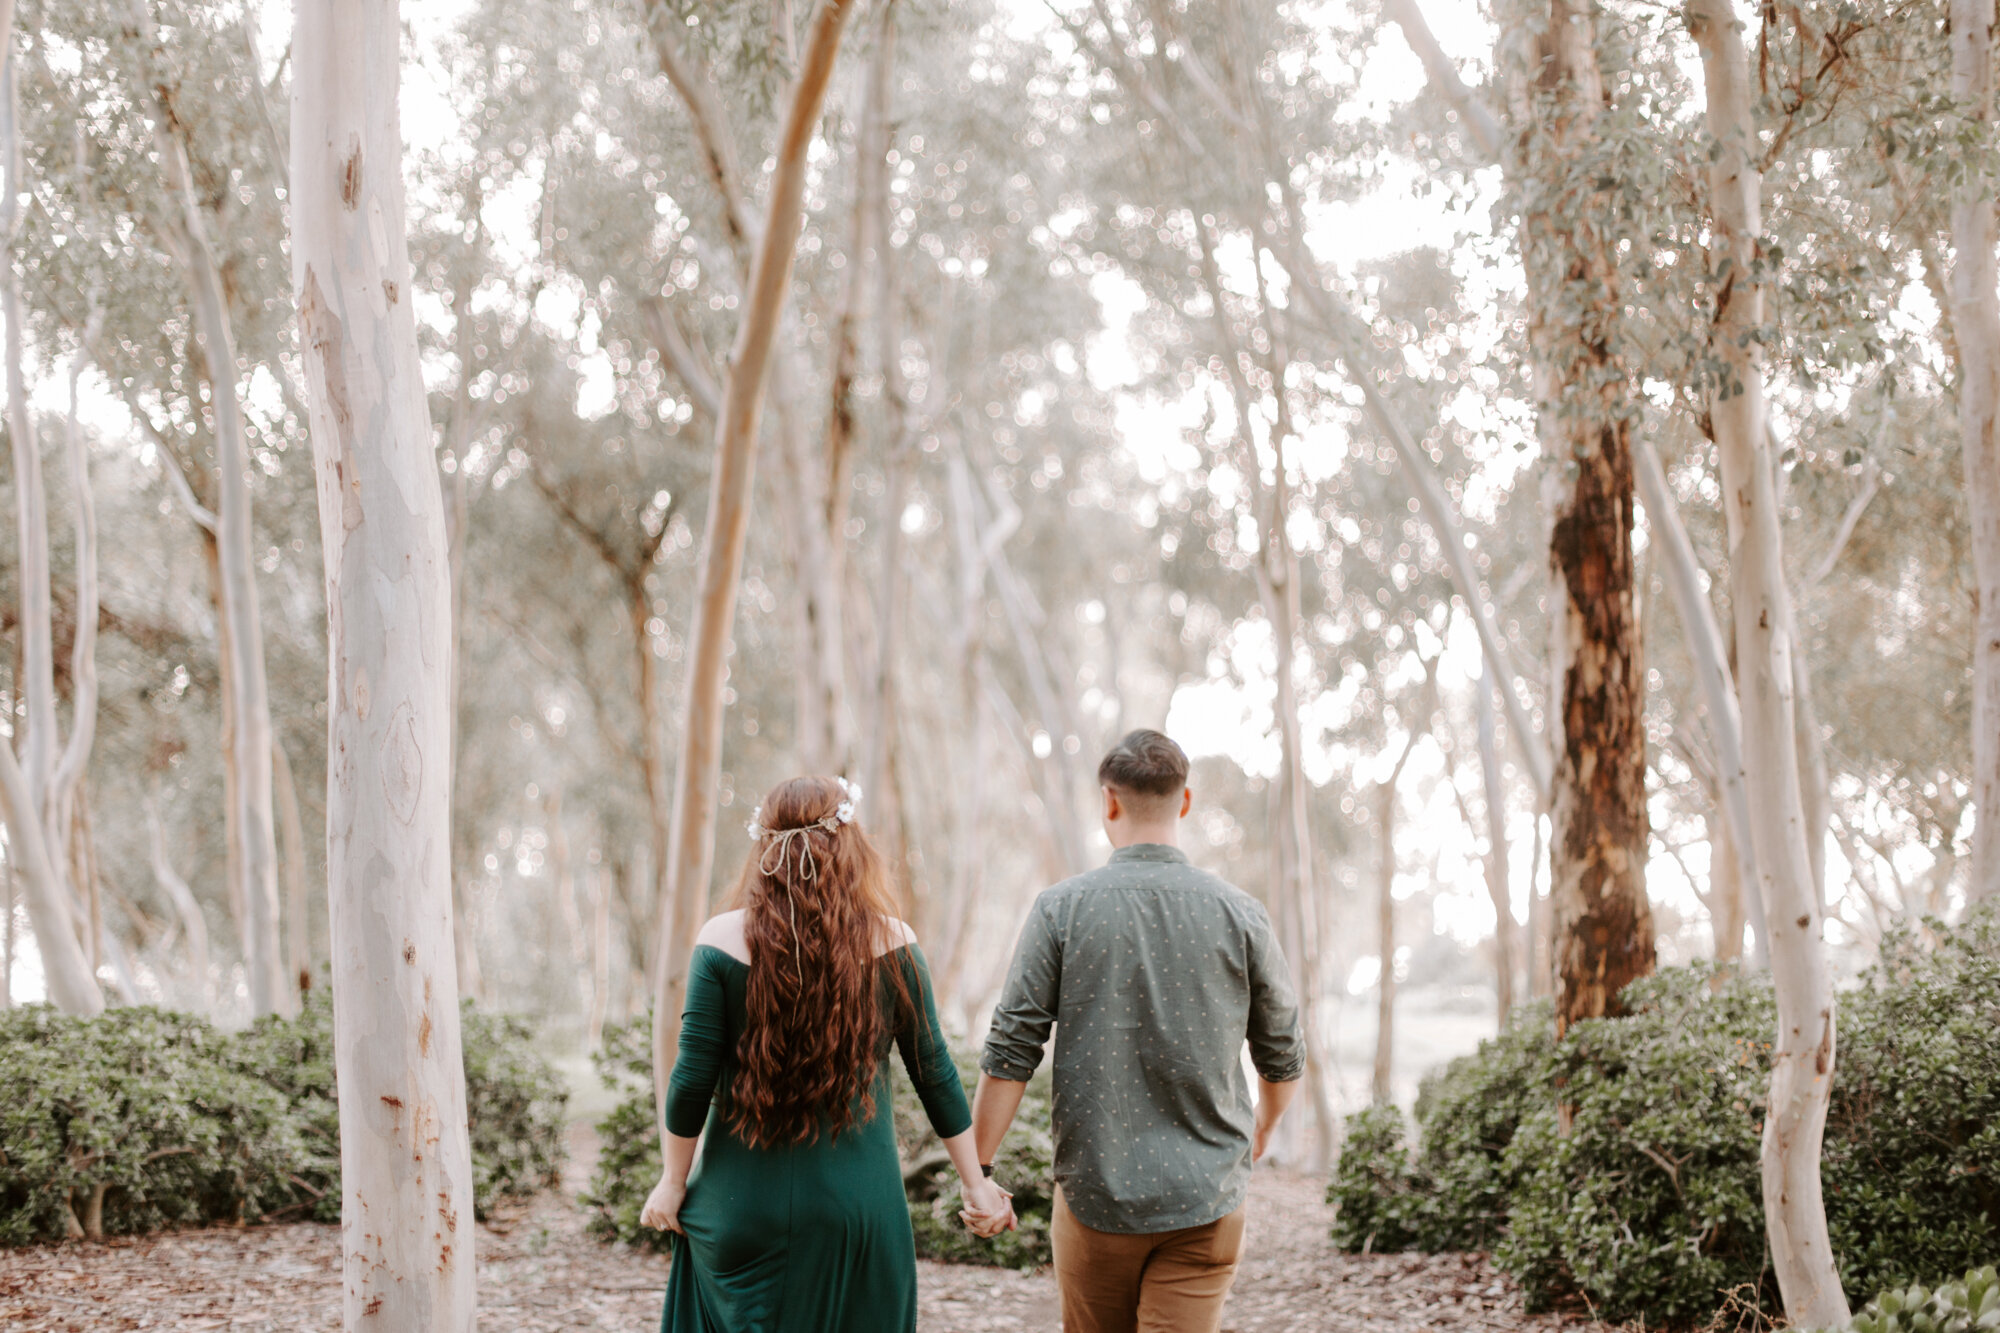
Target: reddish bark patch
350	175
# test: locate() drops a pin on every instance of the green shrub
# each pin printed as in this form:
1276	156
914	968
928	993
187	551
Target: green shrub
1968	1306
516	1105
1024	1165
136	1120
628	1165
1376	1192
628	1155
1650	1205
160	1120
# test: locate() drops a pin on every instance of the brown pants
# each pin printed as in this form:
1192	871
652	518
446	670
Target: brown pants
1170	1282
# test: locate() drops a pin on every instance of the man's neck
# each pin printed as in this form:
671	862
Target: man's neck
1157	835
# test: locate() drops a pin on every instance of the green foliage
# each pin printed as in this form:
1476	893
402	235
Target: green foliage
144	1110
171	1123
1971	1305
1025	1165
1650	1205
629	1163
628	1158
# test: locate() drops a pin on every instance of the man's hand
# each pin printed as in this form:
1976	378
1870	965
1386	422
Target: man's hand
989	1210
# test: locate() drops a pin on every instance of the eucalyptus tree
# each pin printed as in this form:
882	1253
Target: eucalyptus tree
161	203
406	1168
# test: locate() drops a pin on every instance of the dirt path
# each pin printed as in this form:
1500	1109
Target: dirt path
539	1272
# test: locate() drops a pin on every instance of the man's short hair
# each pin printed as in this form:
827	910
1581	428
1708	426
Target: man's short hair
1145	763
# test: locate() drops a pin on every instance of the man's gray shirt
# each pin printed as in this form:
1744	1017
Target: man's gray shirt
1153	974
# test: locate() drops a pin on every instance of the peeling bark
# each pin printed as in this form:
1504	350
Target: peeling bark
406	1171
1603	922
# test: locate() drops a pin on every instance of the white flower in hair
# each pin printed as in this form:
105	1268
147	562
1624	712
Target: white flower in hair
844	812
756	827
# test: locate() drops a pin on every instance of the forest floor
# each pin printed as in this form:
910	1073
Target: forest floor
539	1271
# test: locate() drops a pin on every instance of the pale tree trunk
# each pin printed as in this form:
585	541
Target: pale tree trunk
24	783
71	986
298	923
1603	921
406	1169
185	906
185	230
600	954
1975	318
1498	886
66	785
691	848
968	856
1385	930
1725	899
1681	572
1802	1064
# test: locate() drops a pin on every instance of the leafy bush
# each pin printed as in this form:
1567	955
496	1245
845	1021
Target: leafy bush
628	1156
131	1122
629	1164
1025	1165
1968	1306
1651	1204
145	1118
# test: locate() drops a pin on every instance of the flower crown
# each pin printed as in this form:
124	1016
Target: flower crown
850	796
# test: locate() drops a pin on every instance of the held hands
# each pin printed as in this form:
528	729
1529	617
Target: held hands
663	1206
989	1210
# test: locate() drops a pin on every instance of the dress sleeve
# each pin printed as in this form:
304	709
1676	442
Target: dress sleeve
704	1035
926	1057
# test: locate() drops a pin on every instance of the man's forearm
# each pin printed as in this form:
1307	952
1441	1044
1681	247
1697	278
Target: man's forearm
993	1109
1273	1098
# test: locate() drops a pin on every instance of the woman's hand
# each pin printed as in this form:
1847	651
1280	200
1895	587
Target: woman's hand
989	1210
663	1206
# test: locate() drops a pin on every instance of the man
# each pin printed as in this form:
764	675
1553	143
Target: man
1154	974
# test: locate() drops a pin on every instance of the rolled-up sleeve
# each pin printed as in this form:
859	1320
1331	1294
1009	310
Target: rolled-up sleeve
1027	1009
1277	1043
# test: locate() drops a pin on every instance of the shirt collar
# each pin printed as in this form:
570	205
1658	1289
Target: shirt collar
1150	851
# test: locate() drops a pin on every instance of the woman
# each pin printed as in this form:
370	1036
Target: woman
796	1221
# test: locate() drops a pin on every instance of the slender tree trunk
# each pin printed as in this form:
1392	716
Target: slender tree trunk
1682	575
1541	969
1505	937
653	734
1603	921
1385	942
298	921
406	1170
691	848
1802	1065
24	783
250	746
1975	318
1725	900
600	954
7	934
66	785
71	986
185	906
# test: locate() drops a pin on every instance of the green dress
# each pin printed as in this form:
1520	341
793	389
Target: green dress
810	1238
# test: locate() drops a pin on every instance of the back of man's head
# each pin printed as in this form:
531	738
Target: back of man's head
1148	771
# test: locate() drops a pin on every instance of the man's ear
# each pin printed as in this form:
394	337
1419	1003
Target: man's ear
1111	807
1187	801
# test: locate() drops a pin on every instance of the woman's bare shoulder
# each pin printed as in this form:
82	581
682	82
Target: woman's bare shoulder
725	932
896	934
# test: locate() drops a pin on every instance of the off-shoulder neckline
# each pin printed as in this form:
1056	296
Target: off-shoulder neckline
745	962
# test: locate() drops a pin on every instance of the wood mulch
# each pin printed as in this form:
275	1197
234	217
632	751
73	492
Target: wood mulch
539	1272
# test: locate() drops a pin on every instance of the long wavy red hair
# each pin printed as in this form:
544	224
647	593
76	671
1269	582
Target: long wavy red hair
819	946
